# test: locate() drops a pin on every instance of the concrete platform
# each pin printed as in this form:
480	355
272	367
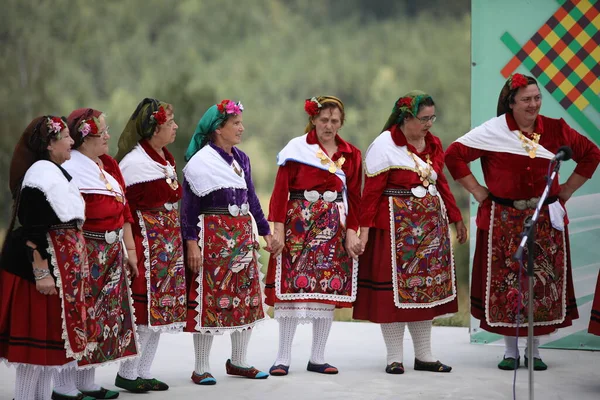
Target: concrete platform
357	349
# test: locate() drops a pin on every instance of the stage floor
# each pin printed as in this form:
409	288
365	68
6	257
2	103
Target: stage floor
357	349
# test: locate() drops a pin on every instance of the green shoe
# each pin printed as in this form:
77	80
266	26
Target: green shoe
538	364
155	384
101	393
137	385
509	364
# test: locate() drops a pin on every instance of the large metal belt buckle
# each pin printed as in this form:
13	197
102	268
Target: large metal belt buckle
532	202
432	190
113	236
171	206
330	196
311	195
520	204
236	210
419	191
245	209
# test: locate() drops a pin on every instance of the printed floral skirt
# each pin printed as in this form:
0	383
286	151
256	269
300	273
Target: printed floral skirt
226	295
159	292
112	309
314	265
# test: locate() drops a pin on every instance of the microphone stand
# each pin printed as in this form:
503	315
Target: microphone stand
528	238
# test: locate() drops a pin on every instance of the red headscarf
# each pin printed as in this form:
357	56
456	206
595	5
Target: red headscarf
76	118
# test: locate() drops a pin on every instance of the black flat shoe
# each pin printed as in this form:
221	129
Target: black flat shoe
435	366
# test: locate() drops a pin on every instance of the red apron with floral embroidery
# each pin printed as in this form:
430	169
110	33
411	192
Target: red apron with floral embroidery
165	272
227	291
112	309
314	264
504	306
423	272
70	266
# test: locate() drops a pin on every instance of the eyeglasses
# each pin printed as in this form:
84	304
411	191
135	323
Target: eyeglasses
103	133
424	120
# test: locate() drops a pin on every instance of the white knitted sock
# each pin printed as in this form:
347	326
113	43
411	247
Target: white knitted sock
536	348
129	368
393	336
287	330
239	347
43	388
85	380
64	382
202	345
25	382
511	347
147	356
420	331
321	328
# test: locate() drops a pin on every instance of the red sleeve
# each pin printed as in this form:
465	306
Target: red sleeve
111	166
458	157
452	209
371	195
585	153
280	195
354	183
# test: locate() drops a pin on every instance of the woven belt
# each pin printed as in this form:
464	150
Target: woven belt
397	192
67	225
313	195
232	209
522	204
417	191
109	236
166	206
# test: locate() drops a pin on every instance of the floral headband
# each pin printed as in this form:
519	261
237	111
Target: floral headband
87	127
312	106
55	125
229	107
407	104
160	116
517	80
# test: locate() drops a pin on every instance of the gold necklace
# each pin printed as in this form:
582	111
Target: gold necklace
333	165
423	172
171	176
109	187
529	145
235	165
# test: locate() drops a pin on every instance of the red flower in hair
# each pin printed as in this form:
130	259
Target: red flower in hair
160	116
312	106
55	125
221	106
517	81
404	102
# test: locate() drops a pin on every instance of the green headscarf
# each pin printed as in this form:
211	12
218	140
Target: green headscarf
404	106
141	125
210	121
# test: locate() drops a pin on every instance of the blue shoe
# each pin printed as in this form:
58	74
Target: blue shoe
204	379
248	372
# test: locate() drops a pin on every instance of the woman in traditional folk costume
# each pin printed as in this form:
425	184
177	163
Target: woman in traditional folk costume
159	291
43	267
107	230
314	207
221	220
515	149
407	274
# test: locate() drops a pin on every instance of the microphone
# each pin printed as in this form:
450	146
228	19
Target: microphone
563	153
